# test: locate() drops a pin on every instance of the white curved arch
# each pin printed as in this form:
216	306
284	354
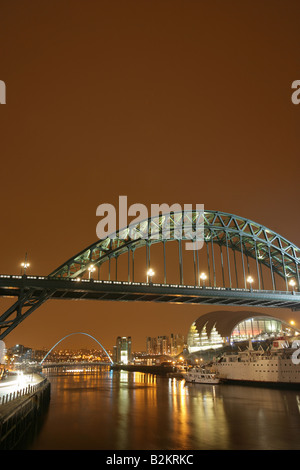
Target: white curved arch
78	333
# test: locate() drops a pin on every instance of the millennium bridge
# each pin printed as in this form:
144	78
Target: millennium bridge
241	263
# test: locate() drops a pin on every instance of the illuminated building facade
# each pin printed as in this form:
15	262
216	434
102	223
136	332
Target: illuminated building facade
218	329
170	345
2	352
122	350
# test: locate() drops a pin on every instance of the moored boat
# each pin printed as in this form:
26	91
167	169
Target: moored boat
200	375
278	366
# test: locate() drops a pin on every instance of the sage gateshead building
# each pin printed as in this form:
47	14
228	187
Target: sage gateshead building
218	329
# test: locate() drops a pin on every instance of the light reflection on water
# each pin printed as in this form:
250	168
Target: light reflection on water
131	410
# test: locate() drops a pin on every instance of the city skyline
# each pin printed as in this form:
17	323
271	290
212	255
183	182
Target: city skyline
158	102
170	338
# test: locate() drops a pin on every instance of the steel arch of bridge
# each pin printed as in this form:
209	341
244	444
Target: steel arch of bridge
77	333
221	229
226	237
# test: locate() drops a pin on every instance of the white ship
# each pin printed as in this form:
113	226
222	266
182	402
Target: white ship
203	376
280	365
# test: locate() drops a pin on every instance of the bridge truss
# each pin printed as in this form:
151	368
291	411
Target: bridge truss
236	251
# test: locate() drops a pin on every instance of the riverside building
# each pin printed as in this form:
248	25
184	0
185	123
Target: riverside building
217	330
122	350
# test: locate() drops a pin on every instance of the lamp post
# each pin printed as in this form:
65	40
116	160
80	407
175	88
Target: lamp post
150	273
25	265
292	283
91	269
203	277
250	280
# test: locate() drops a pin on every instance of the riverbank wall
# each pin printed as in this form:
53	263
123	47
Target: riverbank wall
19	418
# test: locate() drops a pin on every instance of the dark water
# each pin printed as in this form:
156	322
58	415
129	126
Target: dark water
135	411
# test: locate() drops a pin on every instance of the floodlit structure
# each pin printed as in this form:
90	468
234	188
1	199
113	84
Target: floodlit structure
122	350
215	330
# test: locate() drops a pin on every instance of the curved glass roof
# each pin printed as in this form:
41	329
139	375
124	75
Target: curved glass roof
214	329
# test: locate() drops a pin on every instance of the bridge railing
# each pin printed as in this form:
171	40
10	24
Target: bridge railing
154	284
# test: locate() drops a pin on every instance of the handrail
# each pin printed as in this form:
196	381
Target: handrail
96	281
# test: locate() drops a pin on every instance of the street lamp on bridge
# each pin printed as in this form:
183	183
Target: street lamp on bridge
292	283
25	265
150	273
203	277
250	280
91	269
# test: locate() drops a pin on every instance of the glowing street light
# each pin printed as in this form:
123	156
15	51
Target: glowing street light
150	273
91	269
203	277
292	283
25	265
250	280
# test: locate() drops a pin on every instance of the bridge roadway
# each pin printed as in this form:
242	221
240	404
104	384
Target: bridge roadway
87	289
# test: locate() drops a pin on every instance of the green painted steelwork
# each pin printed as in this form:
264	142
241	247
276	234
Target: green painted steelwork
226	238
227	231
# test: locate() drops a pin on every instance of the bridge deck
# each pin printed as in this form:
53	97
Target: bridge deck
71	289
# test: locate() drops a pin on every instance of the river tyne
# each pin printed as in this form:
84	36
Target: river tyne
120	410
